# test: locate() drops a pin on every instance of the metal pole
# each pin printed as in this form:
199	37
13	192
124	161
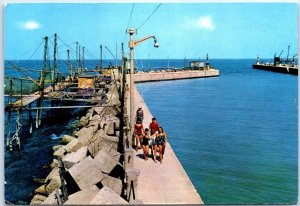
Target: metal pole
54	59
131	46
82	58
116	55
100	56
79	68
68	53
77	54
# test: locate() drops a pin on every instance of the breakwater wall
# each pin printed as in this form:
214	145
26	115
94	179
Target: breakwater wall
157	183
87	167
173	75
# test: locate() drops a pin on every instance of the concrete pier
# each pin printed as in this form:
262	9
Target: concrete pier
172	75
165	183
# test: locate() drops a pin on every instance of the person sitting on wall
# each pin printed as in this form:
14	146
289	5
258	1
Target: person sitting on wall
161	140
145	143
138	133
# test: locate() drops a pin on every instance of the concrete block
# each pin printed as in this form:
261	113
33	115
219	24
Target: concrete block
109	129
66	139
54	184
72	146
86	173
113	183
54	173
74	157
85	135
37	199
106	161
95	123
83	197
110	111
99	110
107	196
54	163
51	199
117	124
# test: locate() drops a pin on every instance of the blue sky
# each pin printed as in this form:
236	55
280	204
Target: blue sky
224	30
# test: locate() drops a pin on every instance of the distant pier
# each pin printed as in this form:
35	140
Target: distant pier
174	75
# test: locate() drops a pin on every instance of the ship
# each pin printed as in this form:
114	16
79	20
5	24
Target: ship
286	66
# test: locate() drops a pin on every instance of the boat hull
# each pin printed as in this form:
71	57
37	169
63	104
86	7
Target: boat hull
280	69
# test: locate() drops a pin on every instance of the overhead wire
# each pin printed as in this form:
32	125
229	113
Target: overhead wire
149	16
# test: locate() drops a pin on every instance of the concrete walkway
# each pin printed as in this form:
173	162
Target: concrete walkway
165	183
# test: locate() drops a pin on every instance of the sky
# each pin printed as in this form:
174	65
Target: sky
191	30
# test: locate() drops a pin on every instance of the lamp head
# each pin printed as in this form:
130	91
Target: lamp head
156	45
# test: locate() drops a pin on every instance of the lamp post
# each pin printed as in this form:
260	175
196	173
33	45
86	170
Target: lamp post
133	44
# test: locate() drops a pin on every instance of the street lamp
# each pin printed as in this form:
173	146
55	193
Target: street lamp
133	44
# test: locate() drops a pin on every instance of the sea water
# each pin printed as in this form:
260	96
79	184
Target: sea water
235	135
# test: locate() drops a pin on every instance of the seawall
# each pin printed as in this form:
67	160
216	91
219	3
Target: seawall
165	183
172	75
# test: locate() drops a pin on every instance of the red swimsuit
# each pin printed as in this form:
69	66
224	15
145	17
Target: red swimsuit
138	129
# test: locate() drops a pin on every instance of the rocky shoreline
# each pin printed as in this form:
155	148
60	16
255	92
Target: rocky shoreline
87	166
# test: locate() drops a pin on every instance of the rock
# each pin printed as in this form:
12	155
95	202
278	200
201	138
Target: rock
110	117
95	121
54	163
54	173
89	113
54	184
103	143
74	157
86	173
106	161
99	110
56	147
117	124
114	184
85	134
109	129
66	139
109	111
37	199
51	199
107	196
83	121
41	190
37	180
83	197
72	146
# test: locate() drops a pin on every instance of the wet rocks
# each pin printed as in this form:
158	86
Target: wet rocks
90	159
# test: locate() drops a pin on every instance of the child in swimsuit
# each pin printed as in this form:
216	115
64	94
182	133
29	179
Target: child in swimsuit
145	143
138	131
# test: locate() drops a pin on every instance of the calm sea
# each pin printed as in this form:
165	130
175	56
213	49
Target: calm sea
236	135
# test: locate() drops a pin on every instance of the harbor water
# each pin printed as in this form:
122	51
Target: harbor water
236	135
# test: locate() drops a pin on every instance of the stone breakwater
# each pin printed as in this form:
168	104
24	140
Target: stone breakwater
89	160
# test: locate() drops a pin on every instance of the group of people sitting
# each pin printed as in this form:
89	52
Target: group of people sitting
153	137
